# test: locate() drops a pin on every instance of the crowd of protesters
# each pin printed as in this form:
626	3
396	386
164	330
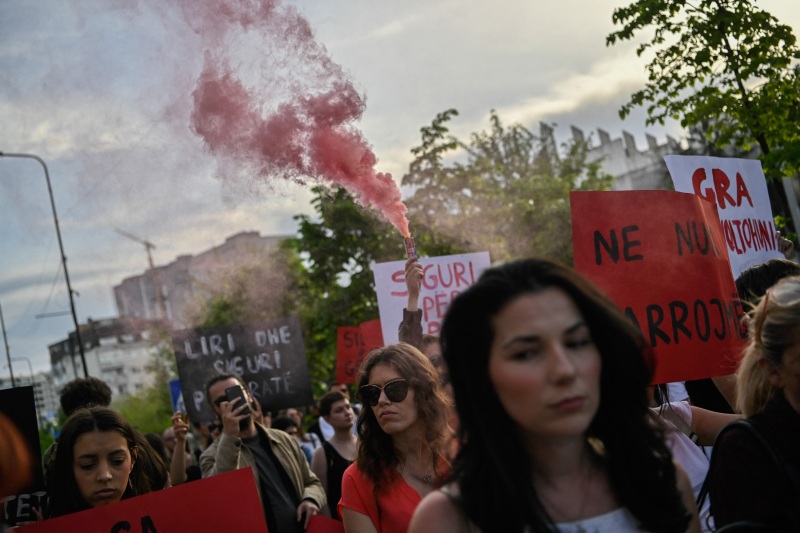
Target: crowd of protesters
532	411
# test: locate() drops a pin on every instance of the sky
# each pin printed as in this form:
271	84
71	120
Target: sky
108	93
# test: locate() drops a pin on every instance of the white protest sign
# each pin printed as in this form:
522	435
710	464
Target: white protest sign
444	278
739	189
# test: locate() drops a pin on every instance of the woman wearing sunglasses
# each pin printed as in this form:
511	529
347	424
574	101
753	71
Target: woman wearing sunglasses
550	387
402	431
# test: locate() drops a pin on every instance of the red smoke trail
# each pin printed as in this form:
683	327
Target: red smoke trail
310	134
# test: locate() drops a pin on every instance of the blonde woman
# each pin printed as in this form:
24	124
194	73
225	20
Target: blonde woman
750	478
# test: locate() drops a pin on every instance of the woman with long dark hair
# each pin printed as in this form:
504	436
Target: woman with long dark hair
99	460
402	432
550	387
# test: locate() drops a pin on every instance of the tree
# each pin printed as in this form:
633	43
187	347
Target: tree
505	191
254	289
728	64
150	410
333	281
507	184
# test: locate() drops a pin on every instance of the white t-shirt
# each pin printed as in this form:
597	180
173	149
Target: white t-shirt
688	454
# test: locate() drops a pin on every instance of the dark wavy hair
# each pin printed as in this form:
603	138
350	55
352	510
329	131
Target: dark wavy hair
494	474
84	392
376	455
65	498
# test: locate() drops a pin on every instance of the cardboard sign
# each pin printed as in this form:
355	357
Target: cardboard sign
225	502
661	257
269	356
739	189
444	278
19	406
353	344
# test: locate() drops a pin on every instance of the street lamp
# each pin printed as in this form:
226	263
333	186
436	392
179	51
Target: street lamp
8	353
61	248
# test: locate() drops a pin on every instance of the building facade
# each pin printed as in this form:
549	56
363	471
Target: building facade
188	278
117	350
44	394
633	169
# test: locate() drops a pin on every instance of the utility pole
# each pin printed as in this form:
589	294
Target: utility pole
63	255
161	311
8	354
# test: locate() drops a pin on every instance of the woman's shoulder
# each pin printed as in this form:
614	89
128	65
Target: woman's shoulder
439	511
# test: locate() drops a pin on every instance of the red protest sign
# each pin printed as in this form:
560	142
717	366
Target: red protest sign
349	353
372	333
661	257
353	344
196	506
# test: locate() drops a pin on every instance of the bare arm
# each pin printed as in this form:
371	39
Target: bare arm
320	467
177	467
707	424
436	513
727	387
414	273
355	522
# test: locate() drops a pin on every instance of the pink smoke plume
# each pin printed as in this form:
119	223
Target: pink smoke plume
309	135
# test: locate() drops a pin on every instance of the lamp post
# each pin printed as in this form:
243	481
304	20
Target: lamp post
61	248
8	353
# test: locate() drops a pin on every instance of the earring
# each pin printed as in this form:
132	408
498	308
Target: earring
130	484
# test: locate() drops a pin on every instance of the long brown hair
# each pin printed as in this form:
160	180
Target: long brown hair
774	328
376	455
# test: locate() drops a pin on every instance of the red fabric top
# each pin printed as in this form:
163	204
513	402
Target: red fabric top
397	503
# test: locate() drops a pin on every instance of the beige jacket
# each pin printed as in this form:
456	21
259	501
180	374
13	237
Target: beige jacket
228	453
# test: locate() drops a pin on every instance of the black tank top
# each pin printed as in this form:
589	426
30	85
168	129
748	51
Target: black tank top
336	467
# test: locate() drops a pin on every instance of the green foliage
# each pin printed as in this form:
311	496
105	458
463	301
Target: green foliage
46	438
508	197
505	191
333	280
150	410
726	63
253	291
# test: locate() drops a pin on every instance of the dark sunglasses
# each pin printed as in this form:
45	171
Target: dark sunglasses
214	426
396	391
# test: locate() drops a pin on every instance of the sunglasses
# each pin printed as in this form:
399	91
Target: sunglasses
214	426
396	391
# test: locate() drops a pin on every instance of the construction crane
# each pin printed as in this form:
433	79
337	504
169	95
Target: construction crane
160	309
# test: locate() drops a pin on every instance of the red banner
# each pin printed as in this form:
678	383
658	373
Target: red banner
661	256
225	502
353	344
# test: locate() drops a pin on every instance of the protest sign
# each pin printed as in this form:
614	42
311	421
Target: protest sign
176	395
660	256
739	189
268	356
353	344
19	407
444	278
225	502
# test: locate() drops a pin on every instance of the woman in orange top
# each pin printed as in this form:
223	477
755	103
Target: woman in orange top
402	433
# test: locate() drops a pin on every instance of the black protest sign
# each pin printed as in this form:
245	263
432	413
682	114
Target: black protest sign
19	407
269	356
